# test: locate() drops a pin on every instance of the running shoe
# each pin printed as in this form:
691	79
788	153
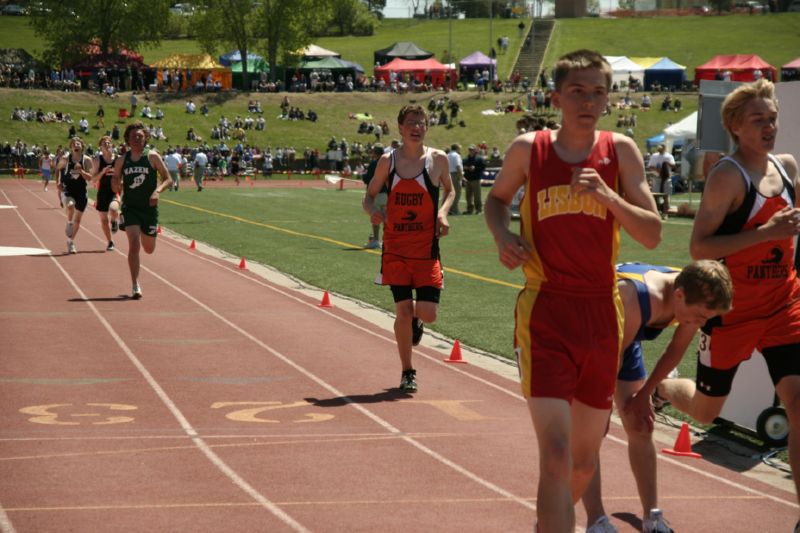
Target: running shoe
137	291
656	523
70	229
417	329
658	401
71	247
114	226
372	244
110	247
408	382
602	525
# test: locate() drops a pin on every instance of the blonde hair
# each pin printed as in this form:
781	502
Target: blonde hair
580	60
733	106
706	282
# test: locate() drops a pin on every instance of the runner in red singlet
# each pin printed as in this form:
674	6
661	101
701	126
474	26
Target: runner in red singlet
569	316
413	222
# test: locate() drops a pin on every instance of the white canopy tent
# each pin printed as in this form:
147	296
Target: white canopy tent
686	129
622	67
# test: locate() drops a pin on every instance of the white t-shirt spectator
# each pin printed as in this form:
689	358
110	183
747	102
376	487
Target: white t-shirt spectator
173	162
455	162
657	159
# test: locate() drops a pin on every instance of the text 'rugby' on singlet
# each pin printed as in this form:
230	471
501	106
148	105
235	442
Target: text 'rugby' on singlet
575	239
410	230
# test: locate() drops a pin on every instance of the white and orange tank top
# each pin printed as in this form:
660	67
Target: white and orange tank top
763	275
410	230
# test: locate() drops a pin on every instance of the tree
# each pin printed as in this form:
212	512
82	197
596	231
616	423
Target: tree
375	5
289	25
627	5
67	27
352	16
229	24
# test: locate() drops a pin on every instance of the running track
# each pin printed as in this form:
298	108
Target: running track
224	401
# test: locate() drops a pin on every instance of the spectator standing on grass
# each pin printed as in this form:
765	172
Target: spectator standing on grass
414	221
381	197
473	166
134	104
663	164
456	167
200	163
173	160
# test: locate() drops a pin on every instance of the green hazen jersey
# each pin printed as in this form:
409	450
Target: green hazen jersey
139	180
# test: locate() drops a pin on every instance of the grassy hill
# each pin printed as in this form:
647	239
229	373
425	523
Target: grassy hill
332	109
689	41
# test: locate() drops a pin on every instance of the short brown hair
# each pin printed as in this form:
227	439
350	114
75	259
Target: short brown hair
580	60
411	109
138	125
733	106
105	138
706	282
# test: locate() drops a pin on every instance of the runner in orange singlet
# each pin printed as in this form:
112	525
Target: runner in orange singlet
413	222
749	216
569	316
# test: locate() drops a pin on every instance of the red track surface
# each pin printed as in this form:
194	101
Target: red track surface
222	401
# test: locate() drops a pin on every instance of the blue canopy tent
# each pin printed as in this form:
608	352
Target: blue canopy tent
235	57
666	72
359	68
655	140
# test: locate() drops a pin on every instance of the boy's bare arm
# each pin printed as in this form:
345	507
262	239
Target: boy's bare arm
512	249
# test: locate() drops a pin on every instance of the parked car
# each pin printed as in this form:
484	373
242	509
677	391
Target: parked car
14	10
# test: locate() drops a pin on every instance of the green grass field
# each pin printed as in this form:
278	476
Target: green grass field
316	233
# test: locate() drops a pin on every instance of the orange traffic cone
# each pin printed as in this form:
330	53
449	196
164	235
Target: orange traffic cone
341	184
683	444
326	300
242	264
193	245
159	229
455	354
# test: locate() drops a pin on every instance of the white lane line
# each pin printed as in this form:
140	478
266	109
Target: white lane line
330	388
167	401
436	360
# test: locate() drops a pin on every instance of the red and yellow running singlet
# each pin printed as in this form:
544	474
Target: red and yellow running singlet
583	262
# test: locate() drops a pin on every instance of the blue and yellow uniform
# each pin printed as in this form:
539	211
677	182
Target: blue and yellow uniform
632	367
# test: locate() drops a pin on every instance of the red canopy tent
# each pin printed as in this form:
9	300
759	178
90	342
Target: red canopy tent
741	67
791	71
418	70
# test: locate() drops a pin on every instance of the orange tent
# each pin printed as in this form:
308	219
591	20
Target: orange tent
200	66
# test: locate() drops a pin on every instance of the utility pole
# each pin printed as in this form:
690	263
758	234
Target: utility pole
450	29
491	40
